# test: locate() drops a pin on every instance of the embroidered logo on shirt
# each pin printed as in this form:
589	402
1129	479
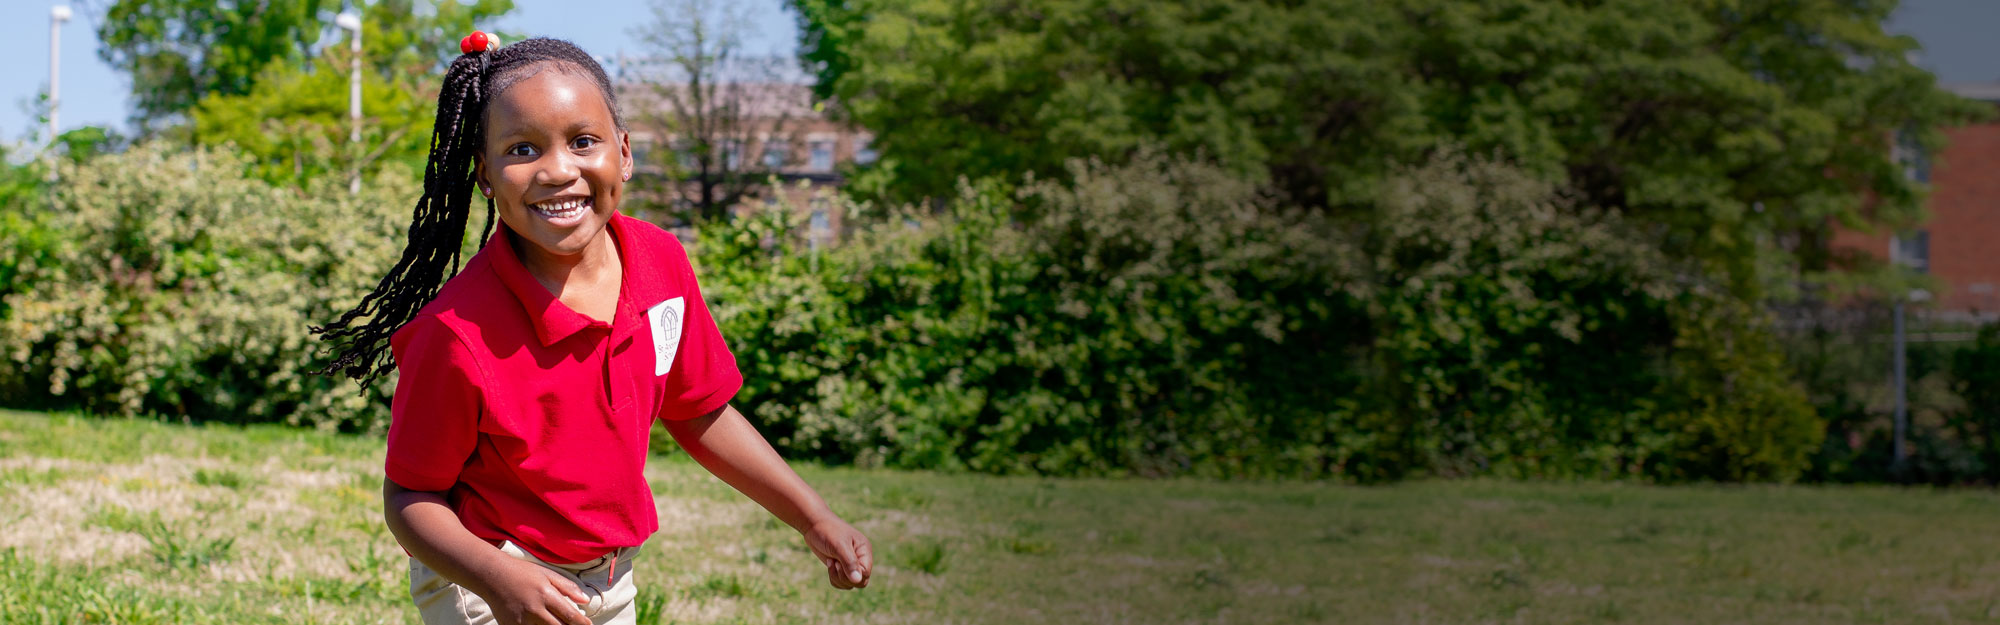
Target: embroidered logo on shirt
666	320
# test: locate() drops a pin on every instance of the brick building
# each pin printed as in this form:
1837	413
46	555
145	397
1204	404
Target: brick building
775	132
1957	243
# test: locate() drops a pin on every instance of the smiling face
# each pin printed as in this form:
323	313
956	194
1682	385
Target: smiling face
556	163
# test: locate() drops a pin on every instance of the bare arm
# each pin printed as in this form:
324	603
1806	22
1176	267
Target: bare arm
518	591
728	446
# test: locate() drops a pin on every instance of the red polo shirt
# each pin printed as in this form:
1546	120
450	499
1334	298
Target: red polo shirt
533	418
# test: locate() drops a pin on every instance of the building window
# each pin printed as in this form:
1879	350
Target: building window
1910	154
819	221
821	155
732	154
776	153
1912	249
821	228
864	150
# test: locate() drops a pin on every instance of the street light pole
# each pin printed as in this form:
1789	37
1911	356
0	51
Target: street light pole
57	15
1899	466
352	23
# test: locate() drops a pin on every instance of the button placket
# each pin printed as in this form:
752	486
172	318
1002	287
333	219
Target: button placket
618	341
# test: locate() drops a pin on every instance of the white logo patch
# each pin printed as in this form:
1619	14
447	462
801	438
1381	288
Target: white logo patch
666	320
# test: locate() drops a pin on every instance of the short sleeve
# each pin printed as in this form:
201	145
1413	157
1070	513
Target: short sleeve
704	374
434	416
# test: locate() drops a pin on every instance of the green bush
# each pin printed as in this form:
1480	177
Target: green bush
1844	356
1164	318
167	282
26	240
1975	377
1161	317
1156	319
1732	407
1516	333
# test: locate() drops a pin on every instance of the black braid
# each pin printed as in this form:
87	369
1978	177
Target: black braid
437	227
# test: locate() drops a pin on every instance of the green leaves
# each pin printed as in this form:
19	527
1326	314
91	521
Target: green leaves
177	51
1161	317
1724	123
1495	304
1975	377
1670	168
1011	88
181	54
168	282
1154	318
1737	414
294	124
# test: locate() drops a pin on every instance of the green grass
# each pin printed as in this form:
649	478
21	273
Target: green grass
123	521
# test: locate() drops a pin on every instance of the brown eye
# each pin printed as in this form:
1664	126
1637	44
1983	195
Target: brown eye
521	149
583	143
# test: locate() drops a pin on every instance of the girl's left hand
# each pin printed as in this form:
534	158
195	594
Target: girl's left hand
848	557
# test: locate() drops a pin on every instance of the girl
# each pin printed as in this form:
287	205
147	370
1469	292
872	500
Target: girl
527	383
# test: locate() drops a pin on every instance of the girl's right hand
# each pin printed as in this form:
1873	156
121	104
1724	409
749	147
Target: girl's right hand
528	594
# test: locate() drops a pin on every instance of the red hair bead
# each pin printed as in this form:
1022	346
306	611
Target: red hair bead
475	42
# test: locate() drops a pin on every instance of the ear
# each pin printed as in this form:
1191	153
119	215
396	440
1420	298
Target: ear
625	154
479	173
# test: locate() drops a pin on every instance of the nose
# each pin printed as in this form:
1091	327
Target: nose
558	169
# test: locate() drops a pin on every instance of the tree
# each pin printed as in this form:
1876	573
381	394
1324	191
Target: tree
178	52
293	120
1742	131
294	123
730	116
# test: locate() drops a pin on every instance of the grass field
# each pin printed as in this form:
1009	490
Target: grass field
119	521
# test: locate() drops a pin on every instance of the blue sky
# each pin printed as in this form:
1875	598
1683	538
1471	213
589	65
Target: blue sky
1956	34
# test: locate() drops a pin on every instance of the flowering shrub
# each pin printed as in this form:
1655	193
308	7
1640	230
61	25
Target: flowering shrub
169	282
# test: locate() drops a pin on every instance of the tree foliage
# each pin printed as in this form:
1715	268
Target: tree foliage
178	52
294	124
293	119
1744	129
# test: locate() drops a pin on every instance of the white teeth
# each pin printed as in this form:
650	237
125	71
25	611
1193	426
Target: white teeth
563	208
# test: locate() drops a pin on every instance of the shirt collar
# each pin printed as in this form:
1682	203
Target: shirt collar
553	320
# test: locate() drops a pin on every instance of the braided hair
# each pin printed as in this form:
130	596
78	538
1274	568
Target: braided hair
360	337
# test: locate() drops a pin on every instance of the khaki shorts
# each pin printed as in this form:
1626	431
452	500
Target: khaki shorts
606	580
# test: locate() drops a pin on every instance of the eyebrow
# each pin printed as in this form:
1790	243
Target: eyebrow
574	128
